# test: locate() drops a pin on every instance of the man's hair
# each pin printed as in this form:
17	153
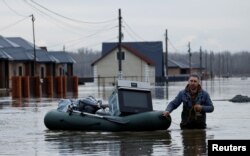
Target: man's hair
194	75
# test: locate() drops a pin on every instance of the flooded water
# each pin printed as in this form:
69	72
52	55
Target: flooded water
22	131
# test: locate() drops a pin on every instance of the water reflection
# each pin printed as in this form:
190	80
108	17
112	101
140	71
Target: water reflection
107	143
194	142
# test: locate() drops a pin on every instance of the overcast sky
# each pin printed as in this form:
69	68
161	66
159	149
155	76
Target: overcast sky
216	25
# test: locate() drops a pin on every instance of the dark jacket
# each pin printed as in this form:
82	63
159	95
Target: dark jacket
191	119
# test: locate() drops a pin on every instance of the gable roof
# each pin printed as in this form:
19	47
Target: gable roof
150	50
18	53
183	64
179	64
147	60
4	55
21	54
21	42
61	56
42	56
5	43
19	49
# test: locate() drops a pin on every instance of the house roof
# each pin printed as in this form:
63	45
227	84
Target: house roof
152	51
61	56
42	56
4	55
18	53
179	64
5	43
19	49
183	64
21	42
147	60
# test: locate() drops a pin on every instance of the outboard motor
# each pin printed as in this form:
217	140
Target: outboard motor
90	105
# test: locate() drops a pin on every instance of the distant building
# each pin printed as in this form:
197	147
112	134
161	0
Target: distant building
142	61
180	69
134	66
17	59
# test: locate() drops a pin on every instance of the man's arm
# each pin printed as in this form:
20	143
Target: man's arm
208	105
175	103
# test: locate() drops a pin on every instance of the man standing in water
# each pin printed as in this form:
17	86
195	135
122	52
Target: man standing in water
196	103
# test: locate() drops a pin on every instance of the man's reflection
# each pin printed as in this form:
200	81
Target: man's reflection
113	144
194	142
142	143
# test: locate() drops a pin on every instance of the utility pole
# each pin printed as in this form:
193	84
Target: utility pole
34	42
219	65
206	66
211	65
166	62
189	52
120	47
201	63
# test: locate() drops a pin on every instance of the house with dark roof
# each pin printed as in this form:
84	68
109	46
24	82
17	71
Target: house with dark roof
180	69
20	42
135	65
17	59
142	61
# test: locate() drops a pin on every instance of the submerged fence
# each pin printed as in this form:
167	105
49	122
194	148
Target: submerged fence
49	87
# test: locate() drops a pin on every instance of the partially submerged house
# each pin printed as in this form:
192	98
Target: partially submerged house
180	69
141	61
17	59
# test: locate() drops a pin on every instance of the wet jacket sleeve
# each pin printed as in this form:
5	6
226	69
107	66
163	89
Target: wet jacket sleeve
175	103
208	104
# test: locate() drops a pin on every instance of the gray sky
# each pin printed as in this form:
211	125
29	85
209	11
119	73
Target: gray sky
215	25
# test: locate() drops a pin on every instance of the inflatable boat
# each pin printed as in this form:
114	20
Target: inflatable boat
146	121
130	109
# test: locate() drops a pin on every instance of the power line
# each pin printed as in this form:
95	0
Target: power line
80	39
96	44
13	24
13	10
71	19
56	21
133	31
172	45
139	37
105	28
53	20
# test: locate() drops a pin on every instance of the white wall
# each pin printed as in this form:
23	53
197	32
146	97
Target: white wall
132	67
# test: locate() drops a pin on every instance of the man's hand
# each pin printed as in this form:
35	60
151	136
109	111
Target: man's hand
197	108
165	113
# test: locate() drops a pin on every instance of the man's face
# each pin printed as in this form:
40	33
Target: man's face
193	83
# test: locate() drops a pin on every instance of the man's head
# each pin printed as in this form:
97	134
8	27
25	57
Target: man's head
193	82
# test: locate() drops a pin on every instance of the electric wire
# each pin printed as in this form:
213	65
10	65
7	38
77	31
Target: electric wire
71	19
13	24
61	24
13	10
146	43
171	44
105	28
99	43
74	42
80	39
134	33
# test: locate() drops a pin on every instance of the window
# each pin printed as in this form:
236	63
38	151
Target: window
61	71
20	71
42	72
